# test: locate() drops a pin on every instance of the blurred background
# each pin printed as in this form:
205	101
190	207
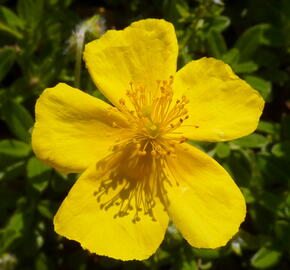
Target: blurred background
41	42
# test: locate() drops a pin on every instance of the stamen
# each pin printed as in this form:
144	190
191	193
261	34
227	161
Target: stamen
142	153
152	136
115	125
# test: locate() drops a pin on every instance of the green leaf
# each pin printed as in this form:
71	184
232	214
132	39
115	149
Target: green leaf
270	201
188	265
10	22
11	172
223	150
7	58
251	39
268	127
183	11
274	170
231	57
38	174
246	67
216	44
18	119
47	208
265	258
14	148
12	231
282	231
249	241
206	253
251	141
263	86
31	11
249	197
240	167
282	150
220	23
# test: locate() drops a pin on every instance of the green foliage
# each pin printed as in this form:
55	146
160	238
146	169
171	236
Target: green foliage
7	58
39	48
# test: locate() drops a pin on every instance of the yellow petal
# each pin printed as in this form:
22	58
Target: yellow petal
91	214
207	206
144	52
72	129
221	105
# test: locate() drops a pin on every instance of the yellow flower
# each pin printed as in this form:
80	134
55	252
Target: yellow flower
137	169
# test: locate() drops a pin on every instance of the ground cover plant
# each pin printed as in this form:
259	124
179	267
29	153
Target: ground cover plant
41	44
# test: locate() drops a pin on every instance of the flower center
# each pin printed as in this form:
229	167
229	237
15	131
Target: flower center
138	170
154	118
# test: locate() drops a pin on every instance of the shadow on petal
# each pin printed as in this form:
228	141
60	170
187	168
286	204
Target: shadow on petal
131	183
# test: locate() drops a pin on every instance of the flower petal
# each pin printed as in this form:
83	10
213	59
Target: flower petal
84	218
72	129
207	206
144	52
221	105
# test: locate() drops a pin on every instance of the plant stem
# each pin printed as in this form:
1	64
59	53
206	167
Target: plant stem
78	63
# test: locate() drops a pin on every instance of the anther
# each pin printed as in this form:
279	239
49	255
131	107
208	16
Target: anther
185	99
162	152
122	101
183	140
142	153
